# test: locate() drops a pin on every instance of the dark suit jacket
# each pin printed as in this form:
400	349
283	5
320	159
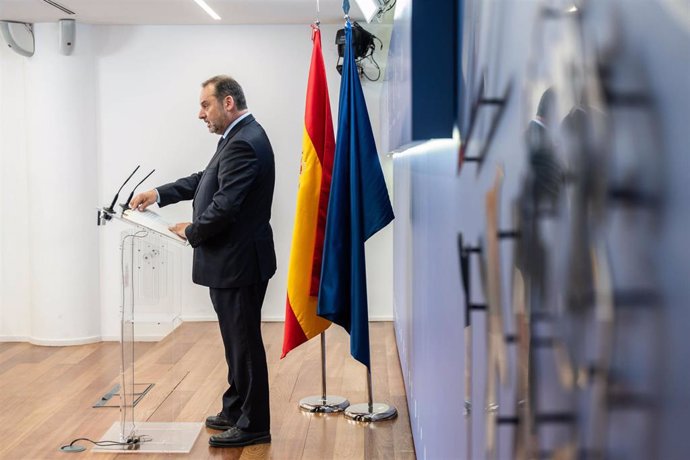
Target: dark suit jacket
230	232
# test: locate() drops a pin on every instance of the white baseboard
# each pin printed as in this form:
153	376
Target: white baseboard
148	331
267	319
381	318
140	338
51	342
280	319
198	318
13	338
273	319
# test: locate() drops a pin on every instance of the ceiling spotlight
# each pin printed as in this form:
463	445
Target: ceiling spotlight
370	8
208	9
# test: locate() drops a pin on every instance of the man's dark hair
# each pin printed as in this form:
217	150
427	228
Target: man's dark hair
227	86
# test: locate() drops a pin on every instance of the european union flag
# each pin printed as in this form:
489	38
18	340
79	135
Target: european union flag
358	207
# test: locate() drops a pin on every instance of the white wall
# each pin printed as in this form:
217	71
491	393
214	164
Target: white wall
15	274
49	242
146	99
149	82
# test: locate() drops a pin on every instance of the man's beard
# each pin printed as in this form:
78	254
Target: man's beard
213	128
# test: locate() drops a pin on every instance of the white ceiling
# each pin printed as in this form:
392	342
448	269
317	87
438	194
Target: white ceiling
178	11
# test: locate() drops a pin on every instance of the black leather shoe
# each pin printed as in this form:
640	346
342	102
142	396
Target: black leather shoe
218	422
236	437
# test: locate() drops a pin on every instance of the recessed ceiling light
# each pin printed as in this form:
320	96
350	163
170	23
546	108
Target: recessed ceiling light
208	9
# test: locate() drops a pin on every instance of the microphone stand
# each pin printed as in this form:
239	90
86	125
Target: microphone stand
125	205
107	213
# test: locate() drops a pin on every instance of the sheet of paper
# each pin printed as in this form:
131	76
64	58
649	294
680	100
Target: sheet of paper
152	221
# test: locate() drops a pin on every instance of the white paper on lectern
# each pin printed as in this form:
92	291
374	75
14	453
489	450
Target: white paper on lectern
152	221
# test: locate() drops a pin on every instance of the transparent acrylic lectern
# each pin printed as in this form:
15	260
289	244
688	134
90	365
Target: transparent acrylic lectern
151	368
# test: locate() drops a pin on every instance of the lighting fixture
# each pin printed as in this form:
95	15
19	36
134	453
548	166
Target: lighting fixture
370	8
429	147
18	36
62	8
208	9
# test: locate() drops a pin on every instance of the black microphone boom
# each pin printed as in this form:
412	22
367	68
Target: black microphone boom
125	205
110	208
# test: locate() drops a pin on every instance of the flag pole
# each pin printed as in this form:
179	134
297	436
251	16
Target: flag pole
370	411
323	366
323	404
363	147
369	391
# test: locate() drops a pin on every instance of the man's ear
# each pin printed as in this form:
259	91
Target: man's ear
228	103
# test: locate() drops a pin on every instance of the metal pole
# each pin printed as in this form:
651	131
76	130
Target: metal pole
371	399
323	366
123	380
324	403
368	411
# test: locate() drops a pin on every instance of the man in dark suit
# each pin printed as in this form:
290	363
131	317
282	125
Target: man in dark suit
233	251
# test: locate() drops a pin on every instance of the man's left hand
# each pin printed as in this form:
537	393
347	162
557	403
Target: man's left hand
178	229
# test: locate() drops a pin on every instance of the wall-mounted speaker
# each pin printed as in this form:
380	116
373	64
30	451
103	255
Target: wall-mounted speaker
19	36
67	35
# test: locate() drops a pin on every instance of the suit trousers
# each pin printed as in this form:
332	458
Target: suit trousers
246	401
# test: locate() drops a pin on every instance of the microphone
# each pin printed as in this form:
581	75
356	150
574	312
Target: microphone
110	208
125	205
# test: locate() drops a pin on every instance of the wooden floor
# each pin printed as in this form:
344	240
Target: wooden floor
46	394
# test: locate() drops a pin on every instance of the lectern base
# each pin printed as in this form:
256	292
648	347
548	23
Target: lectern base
178	437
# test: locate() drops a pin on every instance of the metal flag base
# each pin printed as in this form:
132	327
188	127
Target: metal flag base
375	412
323	404
328	405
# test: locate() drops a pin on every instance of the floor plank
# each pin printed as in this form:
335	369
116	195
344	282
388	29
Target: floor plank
46	394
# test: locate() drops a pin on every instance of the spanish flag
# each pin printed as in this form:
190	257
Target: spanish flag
318	147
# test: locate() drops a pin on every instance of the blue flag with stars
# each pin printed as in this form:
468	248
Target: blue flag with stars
358	207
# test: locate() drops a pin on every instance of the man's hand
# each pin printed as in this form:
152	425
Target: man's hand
178	229
143	200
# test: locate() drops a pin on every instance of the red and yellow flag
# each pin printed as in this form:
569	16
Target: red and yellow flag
318	148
